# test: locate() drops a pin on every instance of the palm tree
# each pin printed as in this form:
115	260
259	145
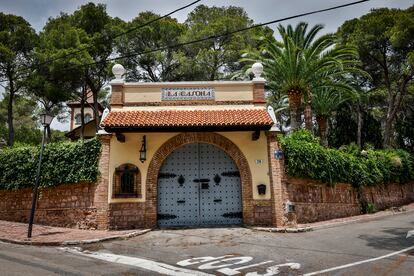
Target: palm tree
324	102
301	63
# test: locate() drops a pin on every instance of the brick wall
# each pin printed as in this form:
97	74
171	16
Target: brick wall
276	175
263	212
315	201
126	215
68	205
258	92
101	194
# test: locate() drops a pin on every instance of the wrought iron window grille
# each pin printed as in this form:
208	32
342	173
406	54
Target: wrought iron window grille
126	182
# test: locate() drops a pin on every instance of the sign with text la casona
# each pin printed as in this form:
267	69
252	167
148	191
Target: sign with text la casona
187	94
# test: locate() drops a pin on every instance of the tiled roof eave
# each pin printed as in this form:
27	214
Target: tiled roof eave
185	119
186	128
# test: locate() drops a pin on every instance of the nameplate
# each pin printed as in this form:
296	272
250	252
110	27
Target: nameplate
187	94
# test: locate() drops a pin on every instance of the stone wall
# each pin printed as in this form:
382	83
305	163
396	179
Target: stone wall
70	205
263	213
126	215
315	201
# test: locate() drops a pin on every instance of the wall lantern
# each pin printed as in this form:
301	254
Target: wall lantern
143	150
261	189
278	154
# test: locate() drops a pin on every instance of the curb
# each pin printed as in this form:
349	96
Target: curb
363	219
283	230
77	242
307	228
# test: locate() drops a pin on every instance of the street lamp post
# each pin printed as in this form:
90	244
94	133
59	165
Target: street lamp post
45	120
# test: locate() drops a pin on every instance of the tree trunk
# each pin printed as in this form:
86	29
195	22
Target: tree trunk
96	110
293	110
10	142
359	130
95	91
387	131
323	129
295	99
83	98
308	116
395	99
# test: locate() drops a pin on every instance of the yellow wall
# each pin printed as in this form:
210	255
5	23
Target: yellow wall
253	150
76	111
147	92
128	152
90	131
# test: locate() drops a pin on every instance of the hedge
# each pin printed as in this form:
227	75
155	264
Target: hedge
305	157
66	162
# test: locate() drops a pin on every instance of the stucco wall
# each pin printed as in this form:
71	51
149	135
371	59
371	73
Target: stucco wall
128	152
76	111
224	91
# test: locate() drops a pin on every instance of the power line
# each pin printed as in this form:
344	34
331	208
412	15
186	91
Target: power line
120	34
222	35
213	36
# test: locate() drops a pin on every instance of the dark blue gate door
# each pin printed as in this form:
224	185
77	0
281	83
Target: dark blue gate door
199	184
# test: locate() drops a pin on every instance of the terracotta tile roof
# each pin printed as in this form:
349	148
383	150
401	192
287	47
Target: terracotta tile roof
246	117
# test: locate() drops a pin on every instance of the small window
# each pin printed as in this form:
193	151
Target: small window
127	179
78	119
88	117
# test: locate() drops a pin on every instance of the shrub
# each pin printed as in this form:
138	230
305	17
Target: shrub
62	163
305	157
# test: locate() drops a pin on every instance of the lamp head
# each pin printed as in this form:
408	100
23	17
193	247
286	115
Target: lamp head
46	119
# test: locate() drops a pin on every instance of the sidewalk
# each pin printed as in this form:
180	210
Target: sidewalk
339	221
366	217
15	232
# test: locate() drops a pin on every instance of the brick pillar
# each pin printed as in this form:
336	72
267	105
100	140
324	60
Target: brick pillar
117	95
258	92
276	171
101	192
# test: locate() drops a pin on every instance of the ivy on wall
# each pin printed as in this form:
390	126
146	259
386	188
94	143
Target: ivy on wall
305	157
66	162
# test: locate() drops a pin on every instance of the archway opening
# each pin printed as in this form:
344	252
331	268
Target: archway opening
199	184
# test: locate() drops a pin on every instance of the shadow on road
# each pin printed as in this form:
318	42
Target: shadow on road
390	239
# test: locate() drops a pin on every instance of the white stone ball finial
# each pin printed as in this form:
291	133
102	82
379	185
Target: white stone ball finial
118	70
257	69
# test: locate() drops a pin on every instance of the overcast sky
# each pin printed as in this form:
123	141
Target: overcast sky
36	12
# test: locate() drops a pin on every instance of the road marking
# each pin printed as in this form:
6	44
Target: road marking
216	264
139	262
274	270
197	260
236	270
360	262
409	234
222	264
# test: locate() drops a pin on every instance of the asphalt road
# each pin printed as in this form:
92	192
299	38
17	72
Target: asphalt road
377	247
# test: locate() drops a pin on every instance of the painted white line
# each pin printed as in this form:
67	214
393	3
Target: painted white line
236	270
360	262
161	268
409	234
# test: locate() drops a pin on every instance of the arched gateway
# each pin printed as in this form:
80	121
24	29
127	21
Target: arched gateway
201	153
190	146
199	184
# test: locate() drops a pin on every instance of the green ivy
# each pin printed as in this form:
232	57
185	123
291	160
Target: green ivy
66	162
305	157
